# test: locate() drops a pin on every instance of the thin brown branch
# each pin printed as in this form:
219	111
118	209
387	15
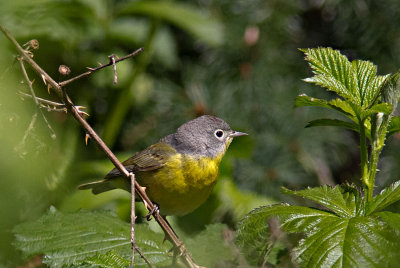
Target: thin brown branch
92	70
133	218
139	251
89	130
56	107
43	101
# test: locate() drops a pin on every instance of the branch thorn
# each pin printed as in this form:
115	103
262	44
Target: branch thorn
87	137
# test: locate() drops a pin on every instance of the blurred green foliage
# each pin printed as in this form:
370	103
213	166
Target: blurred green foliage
236	59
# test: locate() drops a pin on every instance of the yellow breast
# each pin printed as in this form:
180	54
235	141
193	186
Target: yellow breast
182	184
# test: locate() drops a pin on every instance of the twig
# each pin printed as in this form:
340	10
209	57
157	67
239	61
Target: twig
92	70
52	132
41	101
138	250
76	114
133	218
57	107
20	146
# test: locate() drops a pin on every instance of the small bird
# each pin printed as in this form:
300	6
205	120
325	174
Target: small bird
180	171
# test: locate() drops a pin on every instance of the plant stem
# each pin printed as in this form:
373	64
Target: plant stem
377	146
364	161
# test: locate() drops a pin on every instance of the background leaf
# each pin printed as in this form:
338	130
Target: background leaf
209	248
68	239
394	126
107	260
190	19
386	197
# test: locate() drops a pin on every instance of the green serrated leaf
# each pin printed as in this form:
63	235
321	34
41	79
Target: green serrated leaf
335	199
356	82
385	108
330	241
68	239
368	83
353	242
304	100
385	198
253	231
391	219
344	107
394	126
253	236
333	71
333	122
107	260
336	104
184	16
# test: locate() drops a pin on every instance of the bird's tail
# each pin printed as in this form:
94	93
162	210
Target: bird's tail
98	186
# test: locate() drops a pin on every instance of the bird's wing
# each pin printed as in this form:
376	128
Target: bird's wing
154	157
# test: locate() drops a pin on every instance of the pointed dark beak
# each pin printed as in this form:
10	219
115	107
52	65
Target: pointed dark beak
237	134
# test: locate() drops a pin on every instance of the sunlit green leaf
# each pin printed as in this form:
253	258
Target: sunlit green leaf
333	71
335	199
391	219
368	83
253	231
185	16
344	107
356	82
304	100
330	240
385	198
333	122
336	104
384	108
352	242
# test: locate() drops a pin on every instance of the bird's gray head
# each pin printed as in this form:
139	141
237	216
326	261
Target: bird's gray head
206	136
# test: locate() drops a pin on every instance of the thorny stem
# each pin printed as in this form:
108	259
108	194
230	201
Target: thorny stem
364	163
75	113
113	61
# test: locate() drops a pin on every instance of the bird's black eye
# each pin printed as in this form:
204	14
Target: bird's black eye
219	133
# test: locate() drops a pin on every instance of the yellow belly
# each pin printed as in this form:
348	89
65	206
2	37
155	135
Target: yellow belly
182	185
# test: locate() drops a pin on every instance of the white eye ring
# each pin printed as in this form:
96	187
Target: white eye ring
219	133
